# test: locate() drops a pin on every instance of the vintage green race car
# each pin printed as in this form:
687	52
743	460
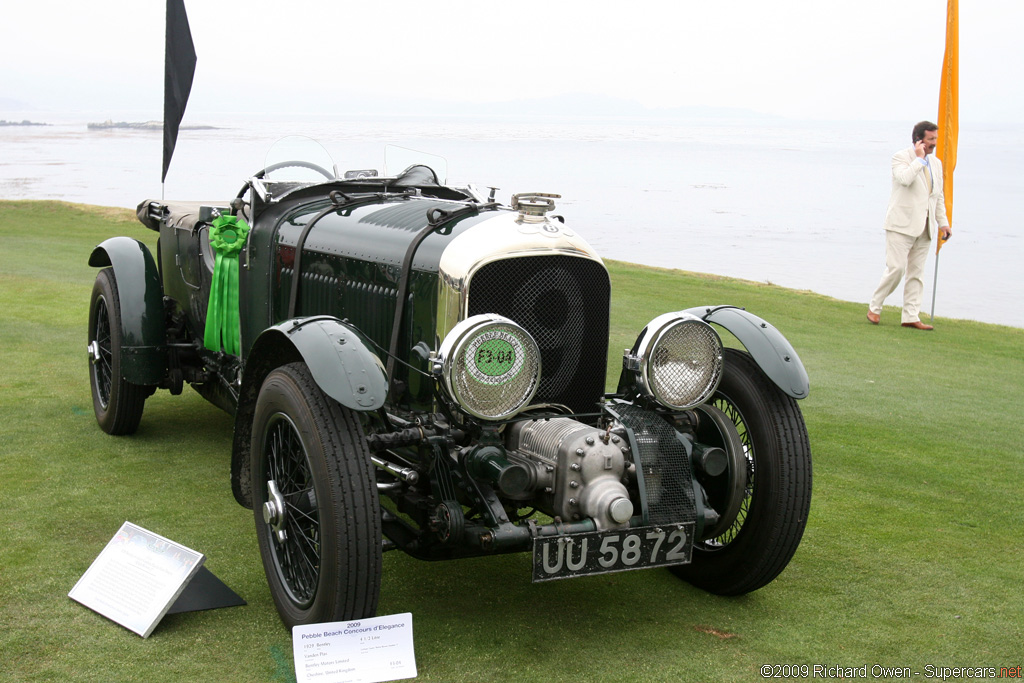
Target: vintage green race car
416	366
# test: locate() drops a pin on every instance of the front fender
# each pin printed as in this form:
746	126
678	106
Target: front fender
770	350
141	308
338	356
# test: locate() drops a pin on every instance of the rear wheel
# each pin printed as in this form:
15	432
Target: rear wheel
776	495
117	402
315	502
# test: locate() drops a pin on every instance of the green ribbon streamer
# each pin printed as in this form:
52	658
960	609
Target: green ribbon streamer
227	237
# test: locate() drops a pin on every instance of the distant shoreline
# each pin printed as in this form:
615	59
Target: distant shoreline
144	125
26	122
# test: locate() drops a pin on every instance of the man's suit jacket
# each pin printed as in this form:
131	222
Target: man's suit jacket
914	197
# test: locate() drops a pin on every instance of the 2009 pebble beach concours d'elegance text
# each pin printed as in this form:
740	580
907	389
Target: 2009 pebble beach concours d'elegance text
878	671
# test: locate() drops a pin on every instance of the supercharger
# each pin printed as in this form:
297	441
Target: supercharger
571	470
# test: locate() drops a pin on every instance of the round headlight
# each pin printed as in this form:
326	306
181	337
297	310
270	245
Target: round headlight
678	362
490	366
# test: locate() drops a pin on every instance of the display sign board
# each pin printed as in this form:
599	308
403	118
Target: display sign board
364	651
136	578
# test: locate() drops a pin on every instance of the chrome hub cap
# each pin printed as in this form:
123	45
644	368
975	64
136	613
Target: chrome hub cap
274	513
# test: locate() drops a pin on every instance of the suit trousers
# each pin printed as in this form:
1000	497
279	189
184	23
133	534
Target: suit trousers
904	255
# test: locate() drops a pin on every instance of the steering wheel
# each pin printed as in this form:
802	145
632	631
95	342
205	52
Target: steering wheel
297	164
285	164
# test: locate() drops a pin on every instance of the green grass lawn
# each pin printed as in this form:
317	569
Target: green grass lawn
913	555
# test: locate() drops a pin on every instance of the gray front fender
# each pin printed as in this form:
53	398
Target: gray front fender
339	358
342	364
772	351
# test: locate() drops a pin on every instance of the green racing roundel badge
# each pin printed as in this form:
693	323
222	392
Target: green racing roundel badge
495	357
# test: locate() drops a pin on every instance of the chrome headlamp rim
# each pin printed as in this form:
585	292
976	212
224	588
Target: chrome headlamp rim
641	359
517	376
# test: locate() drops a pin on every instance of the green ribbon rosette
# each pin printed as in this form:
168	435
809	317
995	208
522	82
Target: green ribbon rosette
227	237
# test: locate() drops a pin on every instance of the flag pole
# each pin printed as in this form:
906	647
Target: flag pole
949	114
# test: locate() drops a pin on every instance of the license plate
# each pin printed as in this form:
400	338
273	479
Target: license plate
600	552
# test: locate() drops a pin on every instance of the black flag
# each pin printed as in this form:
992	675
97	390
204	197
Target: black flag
179	67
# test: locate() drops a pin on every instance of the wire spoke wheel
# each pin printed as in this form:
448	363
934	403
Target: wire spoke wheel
729	535
102	372
297	549
315	502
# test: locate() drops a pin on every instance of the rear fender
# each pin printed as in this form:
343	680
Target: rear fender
339	357
143	332
770	350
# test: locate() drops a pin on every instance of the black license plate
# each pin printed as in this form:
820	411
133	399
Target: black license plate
600	552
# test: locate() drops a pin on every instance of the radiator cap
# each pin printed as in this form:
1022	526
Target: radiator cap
533	205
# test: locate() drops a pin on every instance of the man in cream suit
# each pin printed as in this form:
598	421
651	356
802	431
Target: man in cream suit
916	211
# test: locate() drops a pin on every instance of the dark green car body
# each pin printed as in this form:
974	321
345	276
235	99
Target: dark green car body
356	298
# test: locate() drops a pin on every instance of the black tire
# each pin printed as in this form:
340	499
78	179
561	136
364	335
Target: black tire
777	498
117	402
328	568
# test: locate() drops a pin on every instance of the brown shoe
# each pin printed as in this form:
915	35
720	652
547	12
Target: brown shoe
873	318
918	325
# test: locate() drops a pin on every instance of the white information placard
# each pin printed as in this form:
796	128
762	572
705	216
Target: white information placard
364	651
136	578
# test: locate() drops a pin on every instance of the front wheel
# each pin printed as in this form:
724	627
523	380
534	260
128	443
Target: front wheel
315	502
776	495
117	402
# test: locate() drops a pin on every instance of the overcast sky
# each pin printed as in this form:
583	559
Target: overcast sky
818	59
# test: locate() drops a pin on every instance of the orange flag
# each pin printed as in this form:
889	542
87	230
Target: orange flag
949	105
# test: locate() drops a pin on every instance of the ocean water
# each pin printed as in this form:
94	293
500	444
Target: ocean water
797	204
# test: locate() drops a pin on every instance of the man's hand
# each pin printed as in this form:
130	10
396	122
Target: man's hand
945	233
919	149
